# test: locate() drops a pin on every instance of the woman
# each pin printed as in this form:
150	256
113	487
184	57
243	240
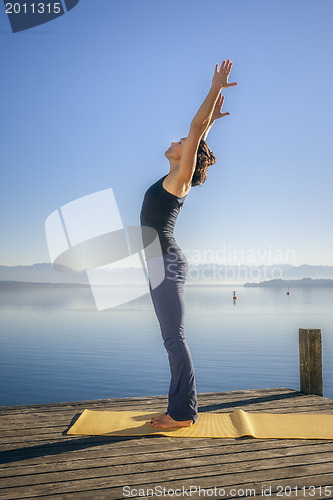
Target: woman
189	160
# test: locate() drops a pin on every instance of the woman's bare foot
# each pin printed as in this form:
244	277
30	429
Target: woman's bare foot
156	418
166	422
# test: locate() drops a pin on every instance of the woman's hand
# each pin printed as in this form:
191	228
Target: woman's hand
220	78
217	112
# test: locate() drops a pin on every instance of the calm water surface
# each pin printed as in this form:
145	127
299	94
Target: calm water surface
55	345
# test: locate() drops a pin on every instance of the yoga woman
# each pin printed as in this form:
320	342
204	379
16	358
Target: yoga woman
189	160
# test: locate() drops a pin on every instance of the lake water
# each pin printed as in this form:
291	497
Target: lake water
55	345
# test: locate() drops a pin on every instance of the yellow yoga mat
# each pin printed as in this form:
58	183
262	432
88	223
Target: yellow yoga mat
212	425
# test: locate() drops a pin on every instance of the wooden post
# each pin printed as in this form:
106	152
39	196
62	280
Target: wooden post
310	361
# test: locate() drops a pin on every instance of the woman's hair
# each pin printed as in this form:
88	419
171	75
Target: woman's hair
205	159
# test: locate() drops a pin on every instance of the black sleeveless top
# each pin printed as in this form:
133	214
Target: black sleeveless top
160	210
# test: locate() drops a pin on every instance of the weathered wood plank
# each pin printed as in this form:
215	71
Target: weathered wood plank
206	476
299	402
159	447
281	398
40	461
145	400
169	460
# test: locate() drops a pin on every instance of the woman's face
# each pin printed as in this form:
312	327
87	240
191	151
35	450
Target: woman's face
174	152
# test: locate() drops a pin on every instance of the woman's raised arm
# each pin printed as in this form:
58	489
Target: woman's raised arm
217	113
201	122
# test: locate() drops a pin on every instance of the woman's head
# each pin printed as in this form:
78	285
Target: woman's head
174	152
205	159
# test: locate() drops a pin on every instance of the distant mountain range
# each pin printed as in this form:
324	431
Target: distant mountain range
305	282
198	274
40	273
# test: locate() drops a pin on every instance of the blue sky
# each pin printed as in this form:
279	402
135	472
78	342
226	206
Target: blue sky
92	100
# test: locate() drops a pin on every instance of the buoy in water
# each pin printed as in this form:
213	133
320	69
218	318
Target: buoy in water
234	296
288	293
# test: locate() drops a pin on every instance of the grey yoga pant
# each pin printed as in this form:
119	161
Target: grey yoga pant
168	301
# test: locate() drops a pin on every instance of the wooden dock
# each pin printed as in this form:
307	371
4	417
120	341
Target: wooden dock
40	461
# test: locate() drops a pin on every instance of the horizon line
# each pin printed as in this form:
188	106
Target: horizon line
193	264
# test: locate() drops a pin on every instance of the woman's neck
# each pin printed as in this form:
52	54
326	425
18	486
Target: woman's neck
174	164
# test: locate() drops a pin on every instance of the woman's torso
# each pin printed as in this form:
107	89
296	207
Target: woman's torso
160	209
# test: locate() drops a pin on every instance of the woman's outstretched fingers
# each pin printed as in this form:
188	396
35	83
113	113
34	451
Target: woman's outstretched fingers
228	73
221	75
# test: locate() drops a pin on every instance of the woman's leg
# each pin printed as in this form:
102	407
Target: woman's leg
168	301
